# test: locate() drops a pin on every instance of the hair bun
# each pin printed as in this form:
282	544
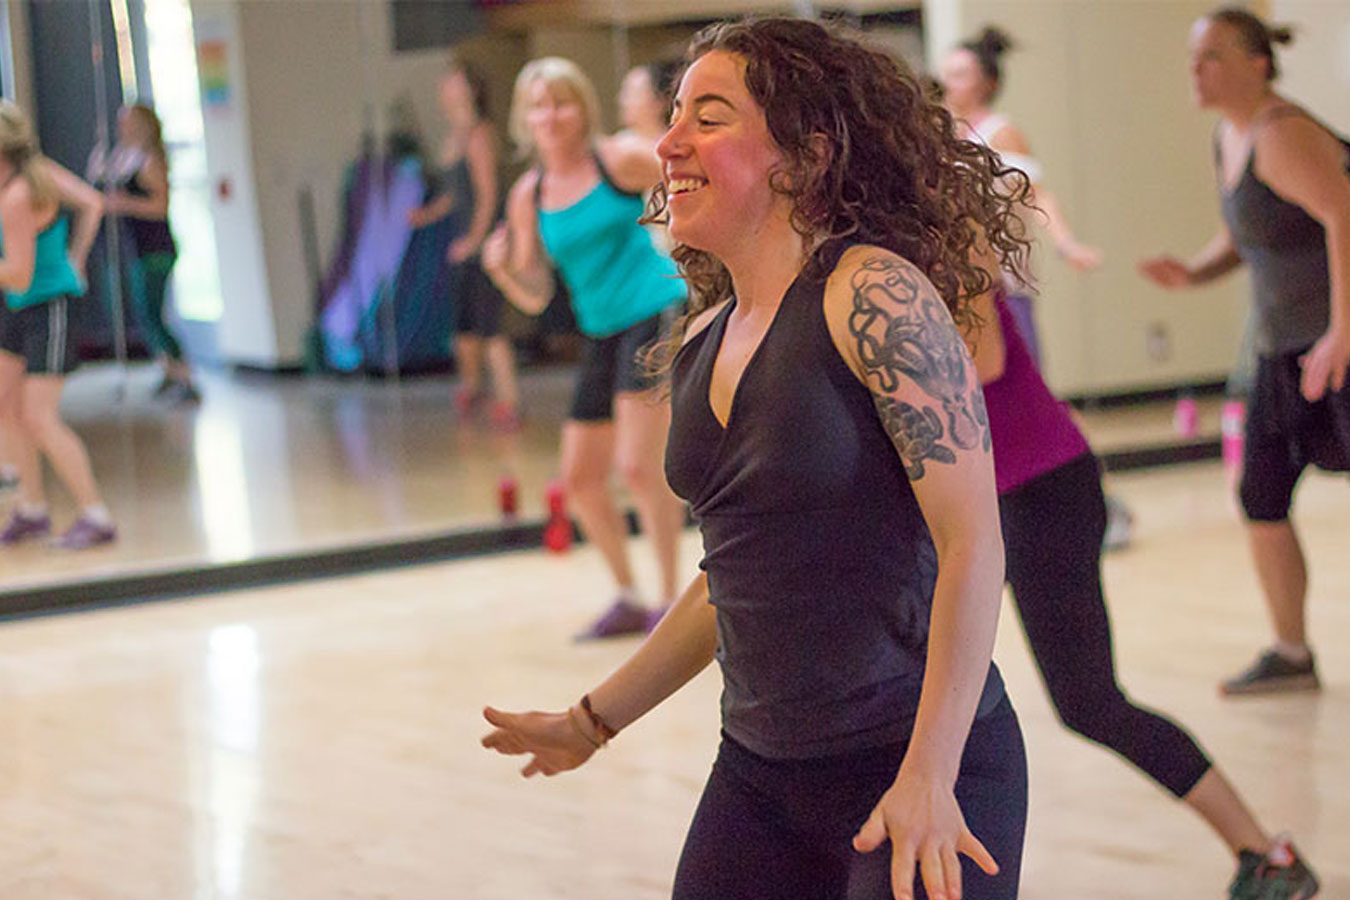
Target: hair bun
994	41
1280	34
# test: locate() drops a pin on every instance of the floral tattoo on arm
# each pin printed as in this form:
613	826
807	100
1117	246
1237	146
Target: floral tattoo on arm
903	332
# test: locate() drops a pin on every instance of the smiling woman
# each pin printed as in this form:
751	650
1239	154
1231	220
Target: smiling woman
829	431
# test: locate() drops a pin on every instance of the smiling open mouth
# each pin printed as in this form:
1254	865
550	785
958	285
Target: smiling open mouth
684	185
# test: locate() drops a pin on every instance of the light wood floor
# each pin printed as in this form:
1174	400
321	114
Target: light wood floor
319	741
269	466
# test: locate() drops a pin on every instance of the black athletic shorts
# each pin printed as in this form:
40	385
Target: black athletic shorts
614	365
1286	434
478	302
40	335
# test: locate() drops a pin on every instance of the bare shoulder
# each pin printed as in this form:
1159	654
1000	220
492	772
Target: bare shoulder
1010	139
16	198
630	160
616	149
521	197
1297	134
887	320
867	275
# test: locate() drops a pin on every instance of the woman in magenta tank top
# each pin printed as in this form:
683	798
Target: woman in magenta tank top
1054	515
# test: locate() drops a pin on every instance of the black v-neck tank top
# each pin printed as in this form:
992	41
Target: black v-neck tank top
819	562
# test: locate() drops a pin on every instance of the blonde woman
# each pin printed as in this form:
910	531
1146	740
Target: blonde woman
40	276
577	210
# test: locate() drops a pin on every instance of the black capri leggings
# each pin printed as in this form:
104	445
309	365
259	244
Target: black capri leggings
781	829
1052	531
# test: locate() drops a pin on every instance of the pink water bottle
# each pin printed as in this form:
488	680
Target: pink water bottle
1186	417
1233	426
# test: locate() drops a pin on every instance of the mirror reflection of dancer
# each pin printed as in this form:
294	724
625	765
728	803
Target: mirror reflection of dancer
1285	197
40	276
578	210
829	429
464	185
1053	514
138	169
971	78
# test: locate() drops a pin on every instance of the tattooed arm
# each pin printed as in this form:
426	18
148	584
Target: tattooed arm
895	333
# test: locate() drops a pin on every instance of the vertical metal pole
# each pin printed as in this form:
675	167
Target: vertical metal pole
113	228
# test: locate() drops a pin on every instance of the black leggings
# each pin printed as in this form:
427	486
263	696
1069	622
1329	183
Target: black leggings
781	829
1052	532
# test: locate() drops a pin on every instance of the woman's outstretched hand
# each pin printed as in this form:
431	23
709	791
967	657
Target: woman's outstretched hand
1166	271
921	818
555	742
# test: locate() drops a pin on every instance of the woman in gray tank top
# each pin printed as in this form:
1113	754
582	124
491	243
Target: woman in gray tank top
1286	211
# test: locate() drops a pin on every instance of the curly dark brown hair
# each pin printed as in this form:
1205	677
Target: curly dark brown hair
892	172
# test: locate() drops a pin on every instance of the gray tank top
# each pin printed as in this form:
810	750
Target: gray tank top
1286	251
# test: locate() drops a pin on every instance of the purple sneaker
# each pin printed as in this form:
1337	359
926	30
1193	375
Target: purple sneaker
624	617
25	528
85	533
654	617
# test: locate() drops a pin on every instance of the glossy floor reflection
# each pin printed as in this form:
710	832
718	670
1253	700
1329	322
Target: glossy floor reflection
273	465
319	741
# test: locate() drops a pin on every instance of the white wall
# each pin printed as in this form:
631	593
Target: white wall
1317	65
247	329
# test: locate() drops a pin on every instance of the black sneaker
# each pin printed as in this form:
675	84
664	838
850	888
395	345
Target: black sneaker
1272	673
1279	875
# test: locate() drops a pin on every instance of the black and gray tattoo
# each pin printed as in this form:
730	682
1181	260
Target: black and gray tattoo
903	331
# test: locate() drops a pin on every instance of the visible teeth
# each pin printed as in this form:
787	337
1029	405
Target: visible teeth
684	185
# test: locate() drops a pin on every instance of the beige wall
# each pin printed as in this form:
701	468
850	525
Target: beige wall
1101	91
1099	86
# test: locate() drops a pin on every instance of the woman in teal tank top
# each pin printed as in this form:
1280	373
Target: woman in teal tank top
577	212
39	276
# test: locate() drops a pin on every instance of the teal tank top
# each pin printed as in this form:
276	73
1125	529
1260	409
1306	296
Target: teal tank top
53	275
616	276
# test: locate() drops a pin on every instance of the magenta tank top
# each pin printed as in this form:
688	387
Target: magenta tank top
1032	432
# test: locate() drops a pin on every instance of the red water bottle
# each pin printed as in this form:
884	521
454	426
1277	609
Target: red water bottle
506	496
558	530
